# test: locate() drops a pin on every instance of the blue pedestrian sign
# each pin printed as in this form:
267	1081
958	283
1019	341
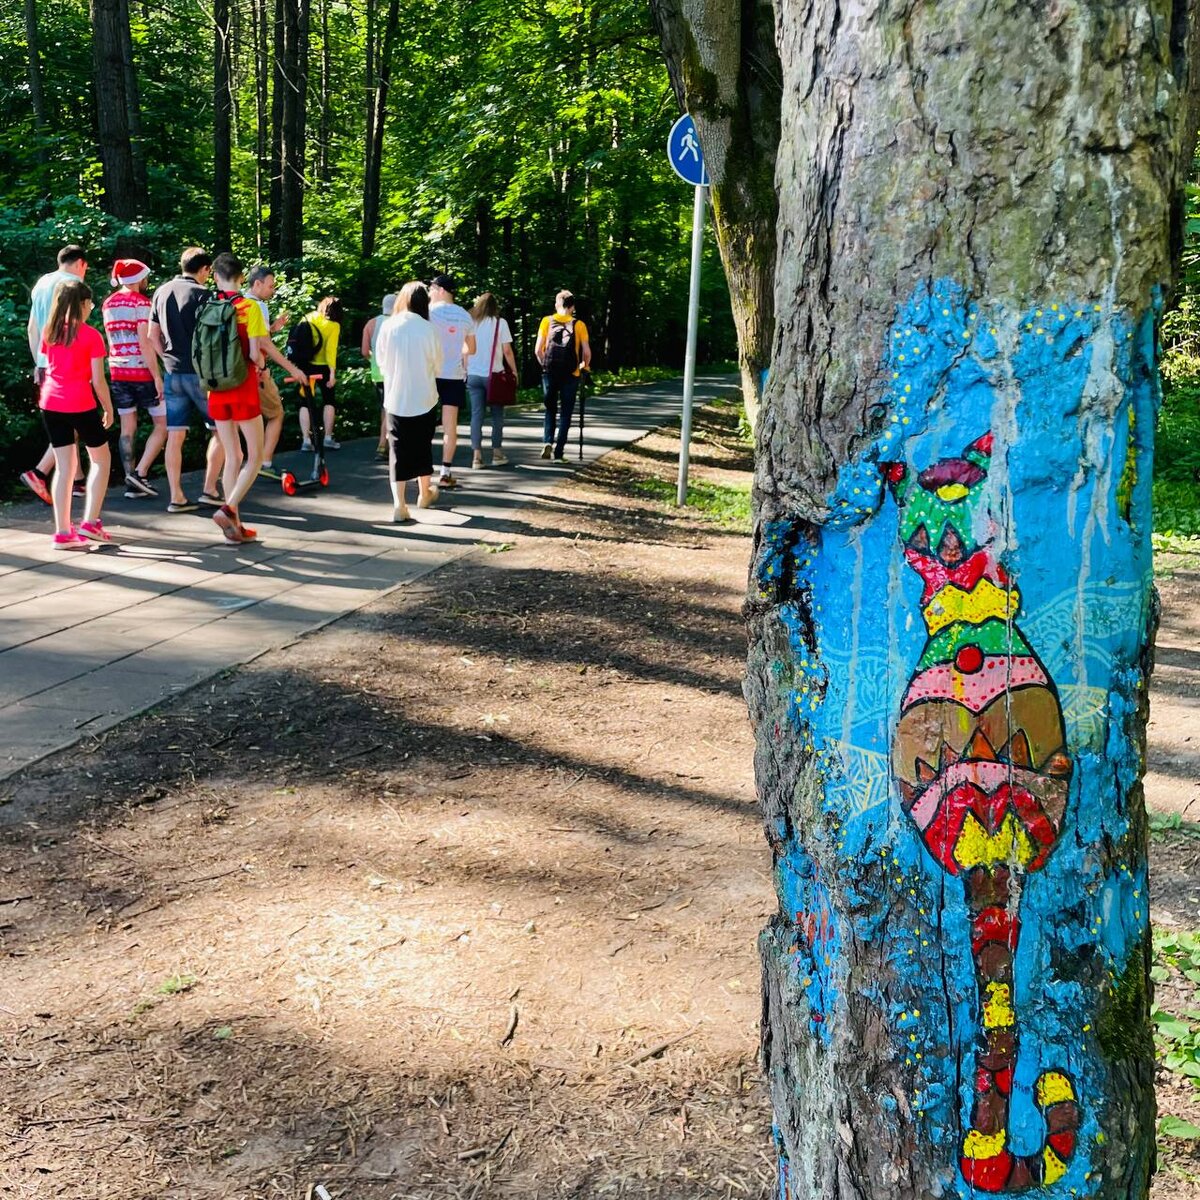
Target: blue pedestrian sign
683	149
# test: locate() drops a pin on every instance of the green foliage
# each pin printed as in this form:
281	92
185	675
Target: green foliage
729	504
1177	1035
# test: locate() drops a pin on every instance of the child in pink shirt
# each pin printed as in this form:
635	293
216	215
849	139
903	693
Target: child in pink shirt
73	382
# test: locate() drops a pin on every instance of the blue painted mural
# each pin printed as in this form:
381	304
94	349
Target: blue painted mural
979	600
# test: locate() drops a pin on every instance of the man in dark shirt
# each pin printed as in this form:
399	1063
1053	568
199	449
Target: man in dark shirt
172	323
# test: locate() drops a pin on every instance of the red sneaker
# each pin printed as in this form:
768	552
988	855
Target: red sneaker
37	485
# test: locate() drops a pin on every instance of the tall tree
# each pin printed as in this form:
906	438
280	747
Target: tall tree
293	79
33	43
724	68
121	196
279	90
222	124
133	100
380	51
951	608
262	76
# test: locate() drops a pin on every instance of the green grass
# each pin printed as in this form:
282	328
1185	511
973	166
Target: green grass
1177	1035
726	503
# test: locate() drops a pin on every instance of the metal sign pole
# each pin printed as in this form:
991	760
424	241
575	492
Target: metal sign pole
689	362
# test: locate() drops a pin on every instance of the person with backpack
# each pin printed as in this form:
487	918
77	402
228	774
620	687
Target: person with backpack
227	355
457	331
563	350
313	346
369	338
494	352
135	382
172	324
72	384
72	264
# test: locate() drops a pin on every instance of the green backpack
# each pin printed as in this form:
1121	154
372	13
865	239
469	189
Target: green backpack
217	354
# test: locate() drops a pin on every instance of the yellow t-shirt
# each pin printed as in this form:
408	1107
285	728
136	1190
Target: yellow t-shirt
581	335
329	331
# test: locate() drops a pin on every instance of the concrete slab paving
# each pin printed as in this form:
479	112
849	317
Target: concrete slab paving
90	638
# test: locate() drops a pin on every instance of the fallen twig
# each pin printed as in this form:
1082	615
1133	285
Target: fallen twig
510	1032
654	1051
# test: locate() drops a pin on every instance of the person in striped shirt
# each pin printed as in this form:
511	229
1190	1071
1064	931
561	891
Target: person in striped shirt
135	381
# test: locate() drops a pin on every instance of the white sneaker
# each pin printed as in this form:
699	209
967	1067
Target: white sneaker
332	444
499	458
476	460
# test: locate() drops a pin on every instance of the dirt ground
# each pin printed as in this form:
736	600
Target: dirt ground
456	898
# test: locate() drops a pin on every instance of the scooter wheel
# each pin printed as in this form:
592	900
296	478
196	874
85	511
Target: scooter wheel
324	477
288	482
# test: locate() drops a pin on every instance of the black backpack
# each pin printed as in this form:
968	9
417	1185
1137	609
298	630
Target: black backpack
303	343
561	359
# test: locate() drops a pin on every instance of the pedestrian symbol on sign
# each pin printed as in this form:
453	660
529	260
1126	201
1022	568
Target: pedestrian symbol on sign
684	153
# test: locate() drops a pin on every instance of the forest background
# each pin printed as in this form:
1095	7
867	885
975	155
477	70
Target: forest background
353	145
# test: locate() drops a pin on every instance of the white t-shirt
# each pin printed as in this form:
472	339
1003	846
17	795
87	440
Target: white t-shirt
453	323
485	331
409	352
262	304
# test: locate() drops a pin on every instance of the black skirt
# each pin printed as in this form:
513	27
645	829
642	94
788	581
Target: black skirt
411	440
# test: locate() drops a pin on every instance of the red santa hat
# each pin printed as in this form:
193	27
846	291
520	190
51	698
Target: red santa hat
127	271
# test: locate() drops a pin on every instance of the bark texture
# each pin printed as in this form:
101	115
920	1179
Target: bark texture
725	71
951	605
121	197
222	125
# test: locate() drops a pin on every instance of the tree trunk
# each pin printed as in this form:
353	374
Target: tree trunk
325	123
262	166
380	74
222	126
279	88
295	126
725	71
951	607
121	197
37	97
133	102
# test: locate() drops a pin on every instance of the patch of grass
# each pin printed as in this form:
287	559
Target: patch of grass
175	985
1164	823
727	503
1176	510
1177	1035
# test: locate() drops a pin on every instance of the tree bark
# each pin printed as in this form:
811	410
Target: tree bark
295	126
279	87
37	97
262	71
222	126
326	103
951	607
724	69
380	51
121	197
133	102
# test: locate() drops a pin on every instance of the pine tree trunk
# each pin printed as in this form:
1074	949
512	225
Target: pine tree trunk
384	51
262	167
951	605
295	126
133	102
37	97
222	126
724	68
279	88
121	197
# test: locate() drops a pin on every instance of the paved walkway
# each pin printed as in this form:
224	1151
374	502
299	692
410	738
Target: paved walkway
88	639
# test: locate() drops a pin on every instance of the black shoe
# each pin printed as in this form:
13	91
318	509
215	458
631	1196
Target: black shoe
182	506
79	488
136	485
209	500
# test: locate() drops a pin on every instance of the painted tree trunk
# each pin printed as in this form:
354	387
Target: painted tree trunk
951	603
725	71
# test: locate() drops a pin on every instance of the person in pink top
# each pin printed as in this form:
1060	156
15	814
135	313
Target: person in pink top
73	383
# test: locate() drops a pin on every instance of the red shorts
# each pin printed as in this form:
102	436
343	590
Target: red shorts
238	404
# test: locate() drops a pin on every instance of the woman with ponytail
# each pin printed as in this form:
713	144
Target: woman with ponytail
73	384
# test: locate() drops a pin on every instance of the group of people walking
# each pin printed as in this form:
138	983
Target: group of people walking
199	350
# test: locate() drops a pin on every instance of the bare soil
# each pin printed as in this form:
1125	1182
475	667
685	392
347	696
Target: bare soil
456	898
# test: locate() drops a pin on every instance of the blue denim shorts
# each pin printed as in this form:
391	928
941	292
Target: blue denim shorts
183	393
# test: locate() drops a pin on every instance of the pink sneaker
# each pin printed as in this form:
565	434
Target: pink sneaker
37	485
94	531
69	541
